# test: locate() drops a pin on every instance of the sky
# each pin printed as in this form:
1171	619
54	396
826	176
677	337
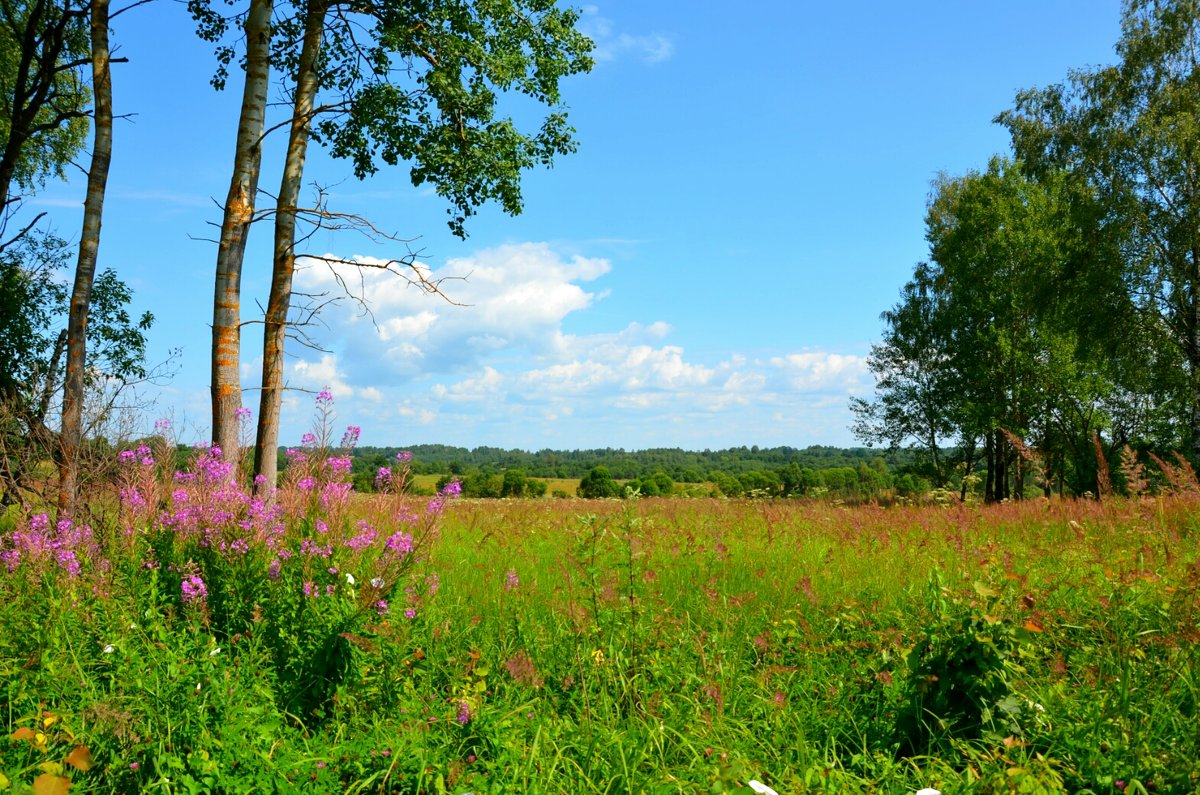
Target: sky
706	271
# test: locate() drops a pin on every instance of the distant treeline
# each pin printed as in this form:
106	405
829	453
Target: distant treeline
857	473
682	466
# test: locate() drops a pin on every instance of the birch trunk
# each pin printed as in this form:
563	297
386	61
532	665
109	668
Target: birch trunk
235	226
284	265
85	270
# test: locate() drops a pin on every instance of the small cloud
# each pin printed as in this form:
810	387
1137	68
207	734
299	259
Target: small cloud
611	45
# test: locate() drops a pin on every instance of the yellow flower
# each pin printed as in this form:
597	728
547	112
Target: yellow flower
598	657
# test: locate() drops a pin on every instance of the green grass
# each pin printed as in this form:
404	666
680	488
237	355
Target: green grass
652	646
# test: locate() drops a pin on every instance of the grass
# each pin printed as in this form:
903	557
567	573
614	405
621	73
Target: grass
648	646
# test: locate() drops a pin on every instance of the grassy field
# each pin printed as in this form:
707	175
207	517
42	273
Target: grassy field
391	645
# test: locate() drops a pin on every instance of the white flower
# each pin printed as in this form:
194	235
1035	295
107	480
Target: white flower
349	578
929	791
109	648
376	582
761	788
215	652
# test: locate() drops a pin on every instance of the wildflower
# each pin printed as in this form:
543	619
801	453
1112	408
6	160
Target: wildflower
410	614
433	582
162	426
309	439
376	582
511	580
464	712
383	478
215	652
598	657
325	396
349	578
929	791
763	789
274	569
350	438
242	413
193	589
381	608
109	648
134	766
404	456
127	457
399	542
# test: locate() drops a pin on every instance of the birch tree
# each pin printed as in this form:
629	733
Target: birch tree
424	90
85	270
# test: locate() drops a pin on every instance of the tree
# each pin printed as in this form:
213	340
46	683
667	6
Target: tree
239	207
71	433
598	484
424	90
982	348
1127	136
914	379
43	100
33	338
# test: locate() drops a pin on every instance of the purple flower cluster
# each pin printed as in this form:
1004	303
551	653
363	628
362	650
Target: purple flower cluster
400	543
194	590
40	542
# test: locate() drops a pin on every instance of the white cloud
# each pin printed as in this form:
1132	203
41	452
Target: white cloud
611	45
501	370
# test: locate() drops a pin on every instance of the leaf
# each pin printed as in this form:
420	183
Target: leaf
4	782
49	784
985	591
24	733
80	758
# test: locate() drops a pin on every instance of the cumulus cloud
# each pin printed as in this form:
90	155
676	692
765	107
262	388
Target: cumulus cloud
499	368
505	297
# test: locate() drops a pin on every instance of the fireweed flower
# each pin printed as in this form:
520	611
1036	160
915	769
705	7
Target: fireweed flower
410	614
381	608
309	439
433	582
464	712
325	396
511	580
365	537
399	542
350	438
242	413
383	478
193	589
404	456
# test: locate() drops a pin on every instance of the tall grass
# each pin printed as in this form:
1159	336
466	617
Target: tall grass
207	641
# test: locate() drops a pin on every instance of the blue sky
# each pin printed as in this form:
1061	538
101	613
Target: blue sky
706	271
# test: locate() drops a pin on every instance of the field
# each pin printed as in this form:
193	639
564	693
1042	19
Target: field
199	640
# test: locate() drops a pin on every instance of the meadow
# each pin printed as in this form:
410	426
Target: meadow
198	639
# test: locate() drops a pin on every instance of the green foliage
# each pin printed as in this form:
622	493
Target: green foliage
598	484
33	315
958	676
43	121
